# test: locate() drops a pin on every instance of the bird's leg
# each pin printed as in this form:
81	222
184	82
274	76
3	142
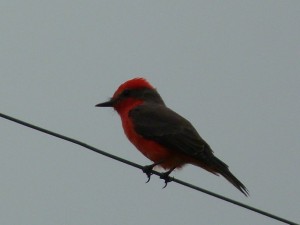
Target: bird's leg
165	176
148	169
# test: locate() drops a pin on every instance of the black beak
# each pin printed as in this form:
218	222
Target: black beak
109	103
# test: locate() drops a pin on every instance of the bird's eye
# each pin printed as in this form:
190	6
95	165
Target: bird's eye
126	93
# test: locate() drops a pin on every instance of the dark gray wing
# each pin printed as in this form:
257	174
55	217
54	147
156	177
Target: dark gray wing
159	123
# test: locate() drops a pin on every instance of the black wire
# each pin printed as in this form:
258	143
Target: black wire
153	171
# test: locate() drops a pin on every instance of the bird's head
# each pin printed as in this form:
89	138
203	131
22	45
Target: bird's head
132	93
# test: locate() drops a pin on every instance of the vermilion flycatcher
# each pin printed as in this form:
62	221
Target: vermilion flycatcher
162	135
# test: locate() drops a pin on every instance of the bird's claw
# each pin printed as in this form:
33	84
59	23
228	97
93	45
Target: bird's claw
148	171
166	178
149	177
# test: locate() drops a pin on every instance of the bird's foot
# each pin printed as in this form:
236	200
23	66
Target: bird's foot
148	171
165	176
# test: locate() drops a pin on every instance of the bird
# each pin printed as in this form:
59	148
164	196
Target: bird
166	138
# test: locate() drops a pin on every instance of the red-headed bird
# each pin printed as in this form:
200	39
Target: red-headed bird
162	135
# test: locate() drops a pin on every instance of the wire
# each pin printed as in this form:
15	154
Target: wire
142	167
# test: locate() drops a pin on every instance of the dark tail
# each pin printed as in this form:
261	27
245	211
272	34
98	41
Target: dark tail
222	168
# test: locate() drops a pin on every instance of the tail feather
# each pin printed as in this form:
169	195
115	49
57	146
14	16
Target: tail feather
222	168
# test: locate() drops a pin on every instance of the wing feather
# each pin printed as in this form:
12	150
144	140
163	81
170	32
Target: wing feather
159	123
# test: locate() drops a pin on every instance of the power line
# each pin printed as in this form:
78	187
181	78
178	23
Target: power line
142	167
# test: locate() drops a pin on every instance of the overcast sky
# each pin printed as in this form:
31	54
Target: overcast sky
230	67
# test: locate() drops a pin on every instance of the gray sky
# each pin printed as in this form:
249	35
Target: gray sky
230	67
